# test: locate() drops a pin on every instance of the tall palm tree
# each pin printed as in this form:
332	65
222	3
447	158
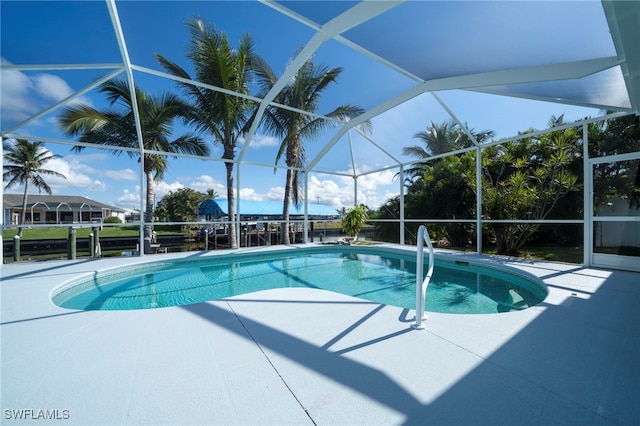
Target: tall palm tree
439	139
114	129
224	116
25	162
212	194
303	92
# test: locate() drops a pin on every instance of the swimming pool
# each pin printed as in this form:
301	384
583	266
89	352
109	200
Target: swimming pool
368	272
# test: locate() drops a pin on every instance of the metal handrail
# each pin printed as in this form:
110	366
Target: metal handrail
421	284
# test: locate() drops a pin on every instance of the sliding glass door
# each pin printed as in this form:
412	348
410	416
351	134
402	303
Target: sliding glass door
616	212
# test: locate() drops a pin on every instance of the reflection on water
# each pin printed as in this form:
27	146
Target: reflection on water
388	279
455	287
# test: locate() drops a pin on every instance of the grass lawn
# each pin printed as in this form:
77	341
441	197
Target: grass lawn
550	253
625	250
49	233
112	231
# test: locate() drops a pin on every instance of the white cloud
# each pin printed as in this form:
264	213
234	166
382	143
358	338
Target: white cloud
14	89
373	189
129	199
250	194
163	188
205	182
374	180
85	157
261	141
329	192
23	95
124	174
275	193
76	178
51	86
326	192
78	170
337	192
378	187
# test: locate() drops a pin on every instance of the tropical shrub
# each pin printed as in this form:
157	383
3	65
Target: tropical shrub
354	220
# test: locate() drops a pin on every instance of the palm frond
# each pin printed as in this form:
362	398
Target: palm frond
117	89
80	119
25	162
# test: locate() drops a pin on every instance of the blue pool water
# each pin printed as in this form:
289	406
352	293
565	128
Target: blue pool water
375	275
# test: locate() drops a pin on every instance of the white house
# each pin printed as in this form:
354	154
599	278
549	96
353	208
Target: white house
55	209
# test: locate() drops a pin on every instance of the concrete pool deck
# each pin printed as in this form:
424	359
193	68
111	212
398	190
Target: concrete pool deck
308	356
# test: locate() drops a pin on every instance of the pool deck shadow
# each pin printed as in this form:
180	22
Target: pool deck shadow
309	356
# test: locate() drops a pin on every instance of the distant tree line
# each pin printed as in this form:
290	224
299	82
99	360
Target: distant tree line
181	205
534	178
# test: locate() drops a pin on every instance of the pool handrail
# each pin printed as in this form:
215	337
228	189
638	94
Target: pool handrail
422	283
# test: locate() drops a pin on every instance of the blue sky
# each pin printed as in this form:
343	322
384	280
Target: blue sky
81	32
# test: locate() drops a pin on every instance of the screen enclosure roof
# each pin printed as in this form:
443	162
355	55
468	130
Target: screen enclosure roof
399	57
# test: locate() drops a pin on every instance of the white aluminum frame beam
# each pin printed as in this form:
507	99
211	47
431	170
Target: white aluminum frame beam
66	100
570	70
359	13
117	27
57	67
623	18
228	92
587	200
455	118
374	143
339	38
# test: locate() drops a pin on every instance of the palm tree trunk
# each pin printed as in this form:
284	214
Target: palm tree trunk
24	208
231	205
284	227
292	160
148	214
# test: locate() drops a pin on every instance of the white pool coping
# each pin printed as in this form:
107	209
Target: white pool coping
306	356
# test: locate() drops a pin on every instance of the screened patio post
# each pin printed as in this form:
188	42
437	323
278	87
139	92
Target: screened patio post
237	218
305	226
401	204
478	199
2	199
587	199
117	28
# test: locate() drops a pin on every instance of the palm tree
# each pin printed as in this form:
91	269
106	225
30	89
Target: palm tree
354	220
25	162
303	92
212	194
114	129
439	139
226	117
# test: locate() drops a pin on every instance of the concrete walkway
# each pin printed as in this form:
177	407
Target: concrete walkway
307	356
